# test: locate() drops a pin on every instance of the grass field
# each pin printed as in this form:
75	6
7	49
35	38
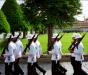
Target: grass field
66	41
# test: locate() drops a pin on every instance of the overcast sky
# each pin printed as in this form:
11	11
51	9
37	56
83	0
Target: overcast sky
84	6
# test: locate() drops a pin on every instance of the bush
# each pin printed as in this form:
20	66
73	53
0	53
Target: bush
14	16
4	25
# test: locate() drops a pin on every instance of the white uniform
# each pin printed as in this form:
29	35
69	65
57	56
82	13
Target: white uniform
38	49
32	53
56	52
9	56
18	52
78	52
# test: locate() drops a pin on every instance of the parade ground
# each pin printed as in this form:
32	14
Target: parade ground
47	67
45	62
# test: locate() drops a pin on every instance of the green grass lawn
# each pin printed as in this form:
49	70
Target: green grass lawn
66	41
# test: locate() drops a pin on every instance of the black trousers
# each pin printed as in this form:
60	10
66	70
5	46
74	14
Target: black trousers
8	69
79	70
57	69
73	63
53	68
83	72
60	67
77	67
17	68
38	67
31	69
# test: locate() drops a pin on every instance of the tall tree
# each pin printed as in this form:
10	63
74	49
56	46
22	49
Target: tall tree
51	13
4	25
14	16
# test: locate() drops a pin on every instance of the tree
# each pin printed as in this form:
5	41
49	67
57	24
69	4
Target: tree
4	25
51	13
15	16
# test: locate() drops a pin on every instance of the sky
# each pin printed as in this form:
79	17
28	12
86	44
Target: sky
81	17
84	7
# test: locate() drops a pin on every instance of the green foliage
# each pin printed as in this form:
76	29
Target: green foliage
2	44
15	16
55	12
4	25
40	28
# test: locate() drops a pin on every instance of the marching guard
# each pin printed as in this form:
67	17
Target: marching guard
77	56
72	54
31	57
38	54
57	69
18	55
9	56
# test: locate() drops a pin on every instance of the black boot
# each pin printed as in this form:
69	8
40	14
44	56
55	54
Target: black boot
44	72
22	73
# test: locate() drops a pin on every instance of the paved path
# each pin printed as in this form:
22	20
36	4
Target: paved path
47	67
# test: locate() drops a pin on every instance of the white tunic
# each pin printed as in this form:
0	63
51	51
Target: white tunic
9	56
78	52
56	52
32	53
18	52
38	49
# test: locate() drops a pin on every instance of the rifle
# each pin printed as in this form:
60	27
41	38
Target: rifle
76	44
54	41
6	46
61	36
71	45
36	38
18	36
28	44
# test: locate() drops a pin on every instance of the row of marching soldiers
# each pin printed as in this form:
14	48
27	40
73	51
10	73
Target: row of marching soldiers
15	50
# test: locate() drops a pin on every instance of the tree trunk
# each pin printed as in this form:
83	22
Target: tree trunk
24	34
50	33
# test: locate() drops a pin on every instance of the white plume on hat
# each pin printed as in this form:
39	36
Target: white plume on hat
74	35
55	35
78	36
30	36
12	36
16	34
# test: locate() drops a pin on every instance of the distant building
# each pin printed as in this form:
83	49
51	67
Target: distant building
81	25
78	26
